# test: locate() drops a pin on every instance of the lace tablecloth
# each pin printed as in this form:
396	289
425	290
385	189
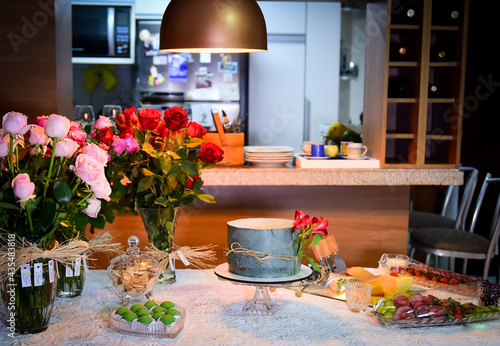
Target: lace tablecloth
214	317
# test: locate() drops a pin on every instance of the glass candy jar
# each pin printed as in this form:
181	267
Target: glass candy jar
133	273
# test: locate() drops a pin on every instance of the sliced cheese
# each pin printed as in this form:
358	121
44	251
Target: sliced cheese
361	274
377	289
395	284
336	281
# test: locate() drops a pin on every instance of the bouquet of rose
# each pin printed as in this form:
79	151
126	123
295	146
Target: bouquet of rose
156	161
54	185
310	230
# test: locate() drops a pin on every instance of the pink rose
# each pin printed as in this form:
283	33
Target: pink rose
78	136
19	140
57	126
74	126
102	123
131	144
65	147
4	148
15	122
38	136
40	120
23	187
118	145
101	189
93	207
97	153
92	173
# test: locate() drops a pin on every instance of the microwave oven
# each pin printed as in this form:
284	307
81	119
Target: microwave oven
103	32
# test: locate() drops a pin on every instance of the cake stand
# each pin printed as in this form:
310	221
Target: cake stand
262	303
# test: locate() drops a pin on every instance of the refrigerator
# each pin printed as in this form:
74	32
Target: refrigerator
200	83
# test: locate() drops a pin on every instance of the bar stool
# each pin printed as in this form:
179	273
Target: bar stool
423	219
460	243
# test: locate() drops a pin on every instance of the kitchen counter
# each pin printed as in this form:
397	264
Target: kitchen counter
291	175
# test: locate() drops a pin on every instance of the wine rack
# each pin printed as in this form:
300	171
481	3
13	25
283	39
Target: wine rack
414	82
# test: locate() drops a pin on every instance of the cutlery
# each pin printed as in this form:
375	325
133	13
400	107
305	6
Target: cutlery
333	248
318	253
328	255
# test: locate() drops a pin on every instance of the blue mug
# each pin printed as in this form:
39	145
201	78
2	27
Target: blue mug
317	150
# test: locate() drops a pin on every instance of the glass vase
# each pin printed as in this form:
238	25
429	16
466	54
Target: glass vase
71	278
29	308
160	226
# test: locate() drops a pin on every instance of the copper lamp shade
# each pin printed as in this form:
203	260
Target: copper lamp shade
215	26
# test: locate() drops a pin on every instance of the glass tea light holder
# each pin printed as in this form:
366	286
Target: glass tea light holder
84	114
111	111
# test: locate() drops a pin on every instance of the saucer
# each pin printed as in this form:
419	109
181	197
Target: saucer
361	157
324	157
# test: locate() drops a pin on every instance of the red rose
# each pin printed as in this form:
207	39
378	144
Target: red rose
190	183
162	129
175	118
149	118
105	135
210	152
125	130
195	130
127	117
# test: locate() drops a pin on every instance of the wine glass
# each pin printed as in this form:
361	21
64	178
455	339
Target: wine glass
84	113
111	111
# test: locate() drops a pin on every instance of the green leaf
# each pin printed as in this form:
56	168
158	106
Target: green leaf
8	206
313	264
162	201
47	214
81	221
148	148
145	183
165	164
139	135
194	142
189	168
316	239
146	172
99	222
206	198
62	192
38	162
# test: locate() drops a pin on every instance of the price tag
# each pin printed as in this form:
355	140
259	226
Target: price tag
182	258
171	262
78	264
51	271
69	271
25	275
85	265
38	274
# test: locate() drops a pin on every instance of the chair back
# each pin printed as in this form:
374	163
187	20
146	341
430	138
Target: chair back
467	197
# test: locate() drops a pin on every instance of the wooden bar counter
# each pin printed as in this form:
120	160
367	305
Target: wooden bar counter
367	209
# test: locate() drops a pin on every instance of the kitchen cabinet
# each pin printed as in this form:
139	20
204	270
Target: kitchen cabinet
294	86
414	82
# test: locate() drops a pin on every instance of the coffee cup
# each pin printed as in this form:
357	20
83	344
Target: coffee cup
356	150
317	150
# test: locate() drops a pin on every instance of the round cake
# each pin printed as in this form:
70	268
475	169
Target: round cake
261	237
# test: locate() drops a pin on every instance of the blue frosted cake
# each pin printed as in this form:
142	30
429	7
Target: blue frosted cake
269	240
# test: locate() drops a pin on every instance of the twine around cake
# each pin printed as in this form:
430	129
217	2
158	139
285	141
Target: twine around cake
237	248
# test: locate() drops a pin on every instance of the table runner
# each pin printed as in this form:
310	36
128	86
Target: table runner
214	317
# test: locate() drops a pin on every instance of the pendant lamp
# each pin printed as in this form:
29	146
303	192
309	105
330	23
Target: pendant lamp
213	26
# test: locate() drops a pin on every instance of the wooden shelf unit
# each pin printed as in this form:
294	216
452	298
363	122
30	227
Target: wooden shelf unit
416	129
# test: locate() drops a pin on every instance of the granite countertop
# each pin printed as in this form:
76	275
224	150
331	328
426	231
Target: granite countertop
291	175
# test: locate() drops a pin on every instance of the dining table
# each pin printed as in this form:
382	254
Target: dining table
215	315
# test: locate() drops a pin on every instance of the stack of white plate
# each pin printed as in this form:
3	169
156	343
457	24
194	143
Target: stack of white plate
268	155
